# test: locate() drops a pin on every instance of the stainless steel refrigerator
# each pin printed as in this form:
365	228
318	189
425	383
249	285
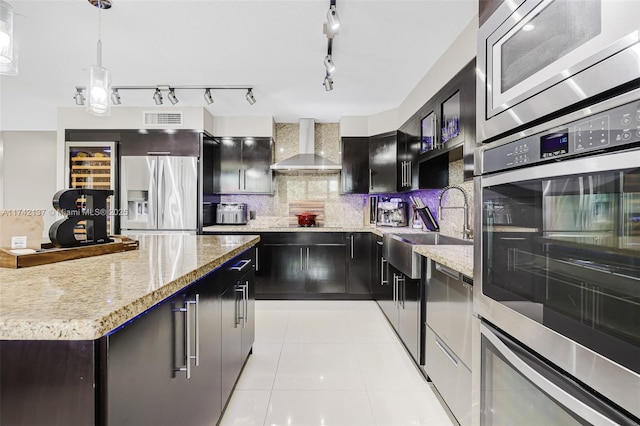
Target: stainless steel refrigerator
159	193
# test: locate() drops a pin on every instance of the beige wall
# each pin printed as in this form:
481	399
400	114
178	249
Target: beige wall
29	172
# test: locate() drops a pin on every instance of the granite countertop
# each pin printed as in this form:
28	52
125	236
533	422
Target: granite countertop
458	257
84	299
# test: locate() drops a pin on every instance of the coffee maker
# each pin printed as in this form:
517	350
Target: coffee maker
392	213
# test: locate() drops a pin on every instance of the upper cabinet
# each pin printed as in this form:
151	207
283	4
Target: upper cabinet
447	124
244	165
408	151
354	176
383	151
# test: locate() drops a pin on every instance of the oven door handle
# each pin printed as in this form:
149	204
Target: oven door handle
554	391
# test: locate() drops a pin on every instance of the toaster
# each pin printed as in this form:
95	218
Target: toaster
231	214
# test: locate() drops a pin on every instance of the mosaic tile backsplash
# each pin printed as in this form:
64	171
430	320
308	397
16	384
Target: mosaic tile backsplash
341	210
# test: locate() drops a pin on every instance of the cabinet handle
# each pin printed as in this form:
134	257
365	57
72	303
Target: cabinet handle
257	258
246	304
301	260
406	173
244	180
395	290
448	271
446	352
379	243
158	152
240	265
409	173
382	280
352	246
187	335
400	301
402	174
239	316
307	258
239	178
371	179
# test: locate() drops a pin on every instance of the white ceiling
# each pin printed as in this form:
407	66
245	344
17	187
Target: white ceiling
383	50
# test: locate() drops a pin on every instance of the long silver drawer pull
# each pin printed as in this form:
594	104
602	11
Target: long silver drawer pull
352	246
240	265
257	258
400	280
158	152
246	304
239	316
382	280
448	271
446	352
196	313
186	368
301	260
307	258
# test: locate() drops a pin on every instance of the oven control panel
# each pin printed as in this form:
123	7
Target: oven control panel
612	128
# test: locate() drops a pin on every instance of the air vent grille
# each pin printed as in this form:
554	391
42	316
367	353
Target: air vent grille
162	118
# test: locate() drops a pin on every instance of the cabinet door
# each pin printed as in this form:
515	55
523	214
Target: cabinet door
230	165
249	311
325	268
382	163
142	384
204	400
231	332
409	310
355	165
360	263
388	303
256	161
281	268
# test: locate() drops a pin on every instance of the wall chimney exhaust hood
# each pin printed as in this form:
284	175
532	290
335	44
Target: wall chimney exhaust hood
306	160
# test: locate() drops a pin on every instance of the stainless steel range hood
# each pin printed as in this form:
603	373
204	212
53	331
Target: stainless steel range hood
306	160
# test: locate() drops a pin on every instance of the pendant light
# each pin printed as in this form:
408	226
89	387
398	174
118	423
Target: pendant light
8	45
99	88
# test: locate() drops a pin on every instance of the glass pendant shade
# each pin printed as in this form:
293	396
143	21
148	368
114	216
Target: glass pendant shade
99	91
8	57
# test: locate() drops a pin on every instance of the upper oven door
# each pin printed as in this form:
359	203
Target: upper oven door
536	57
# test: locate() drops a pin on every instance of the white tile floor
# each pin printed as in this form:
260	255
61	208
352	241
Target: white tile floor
329	363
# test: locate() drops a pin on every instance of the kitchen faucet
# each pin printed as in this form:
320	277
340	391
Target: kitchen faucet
467	233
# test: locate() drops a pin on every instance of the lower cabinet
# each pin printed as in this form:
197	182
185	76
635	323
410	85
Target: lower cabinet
403	307
359	249
302	265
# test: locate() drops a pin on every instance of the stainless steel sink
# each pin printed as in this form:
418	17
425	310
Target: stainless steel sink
398	250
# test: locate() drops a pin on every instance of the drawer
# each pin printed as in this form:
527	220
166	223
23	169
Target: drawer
450	376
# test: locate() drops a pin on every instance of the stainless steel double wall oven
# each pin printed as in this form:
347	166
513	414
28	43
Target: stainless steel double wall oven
558	214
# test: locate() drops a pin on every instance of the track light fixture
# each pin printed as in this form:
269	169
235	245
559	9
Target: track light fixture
172	97
333	20
328	63
115	97
250	97
207	96
328	83
157	97
79	97
171	92
331	28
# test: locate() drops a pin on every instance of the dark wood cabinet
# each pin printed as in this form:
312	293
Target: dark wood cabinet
354	175
383	171
245	165
447	125
302	265
408	151
168	366
359	252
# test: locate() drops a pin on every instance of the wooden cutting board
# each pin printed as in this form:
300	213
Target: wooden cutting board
296	207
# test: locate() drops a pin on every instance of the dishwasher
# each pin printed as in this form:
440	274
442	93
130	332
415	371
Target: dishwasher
448	336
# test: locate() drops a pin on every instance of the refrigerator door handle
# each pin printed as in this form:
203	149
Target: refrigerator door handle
152	204
161	193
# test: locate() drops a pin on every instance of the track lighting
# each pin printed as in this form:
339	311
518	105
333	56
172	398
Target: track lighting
333	20
328	83
328	63
79	97
172	97
157	97
250	97
207	96
115	97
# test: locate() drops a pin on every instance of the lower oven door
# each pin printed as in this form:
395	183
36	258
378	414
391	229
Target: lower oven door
518	387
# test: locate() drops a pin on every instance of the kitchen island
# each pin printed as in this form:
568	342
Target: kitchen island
126	338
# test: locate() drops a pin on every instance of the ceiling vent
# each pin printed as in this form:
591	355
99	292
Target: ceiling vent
162	118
